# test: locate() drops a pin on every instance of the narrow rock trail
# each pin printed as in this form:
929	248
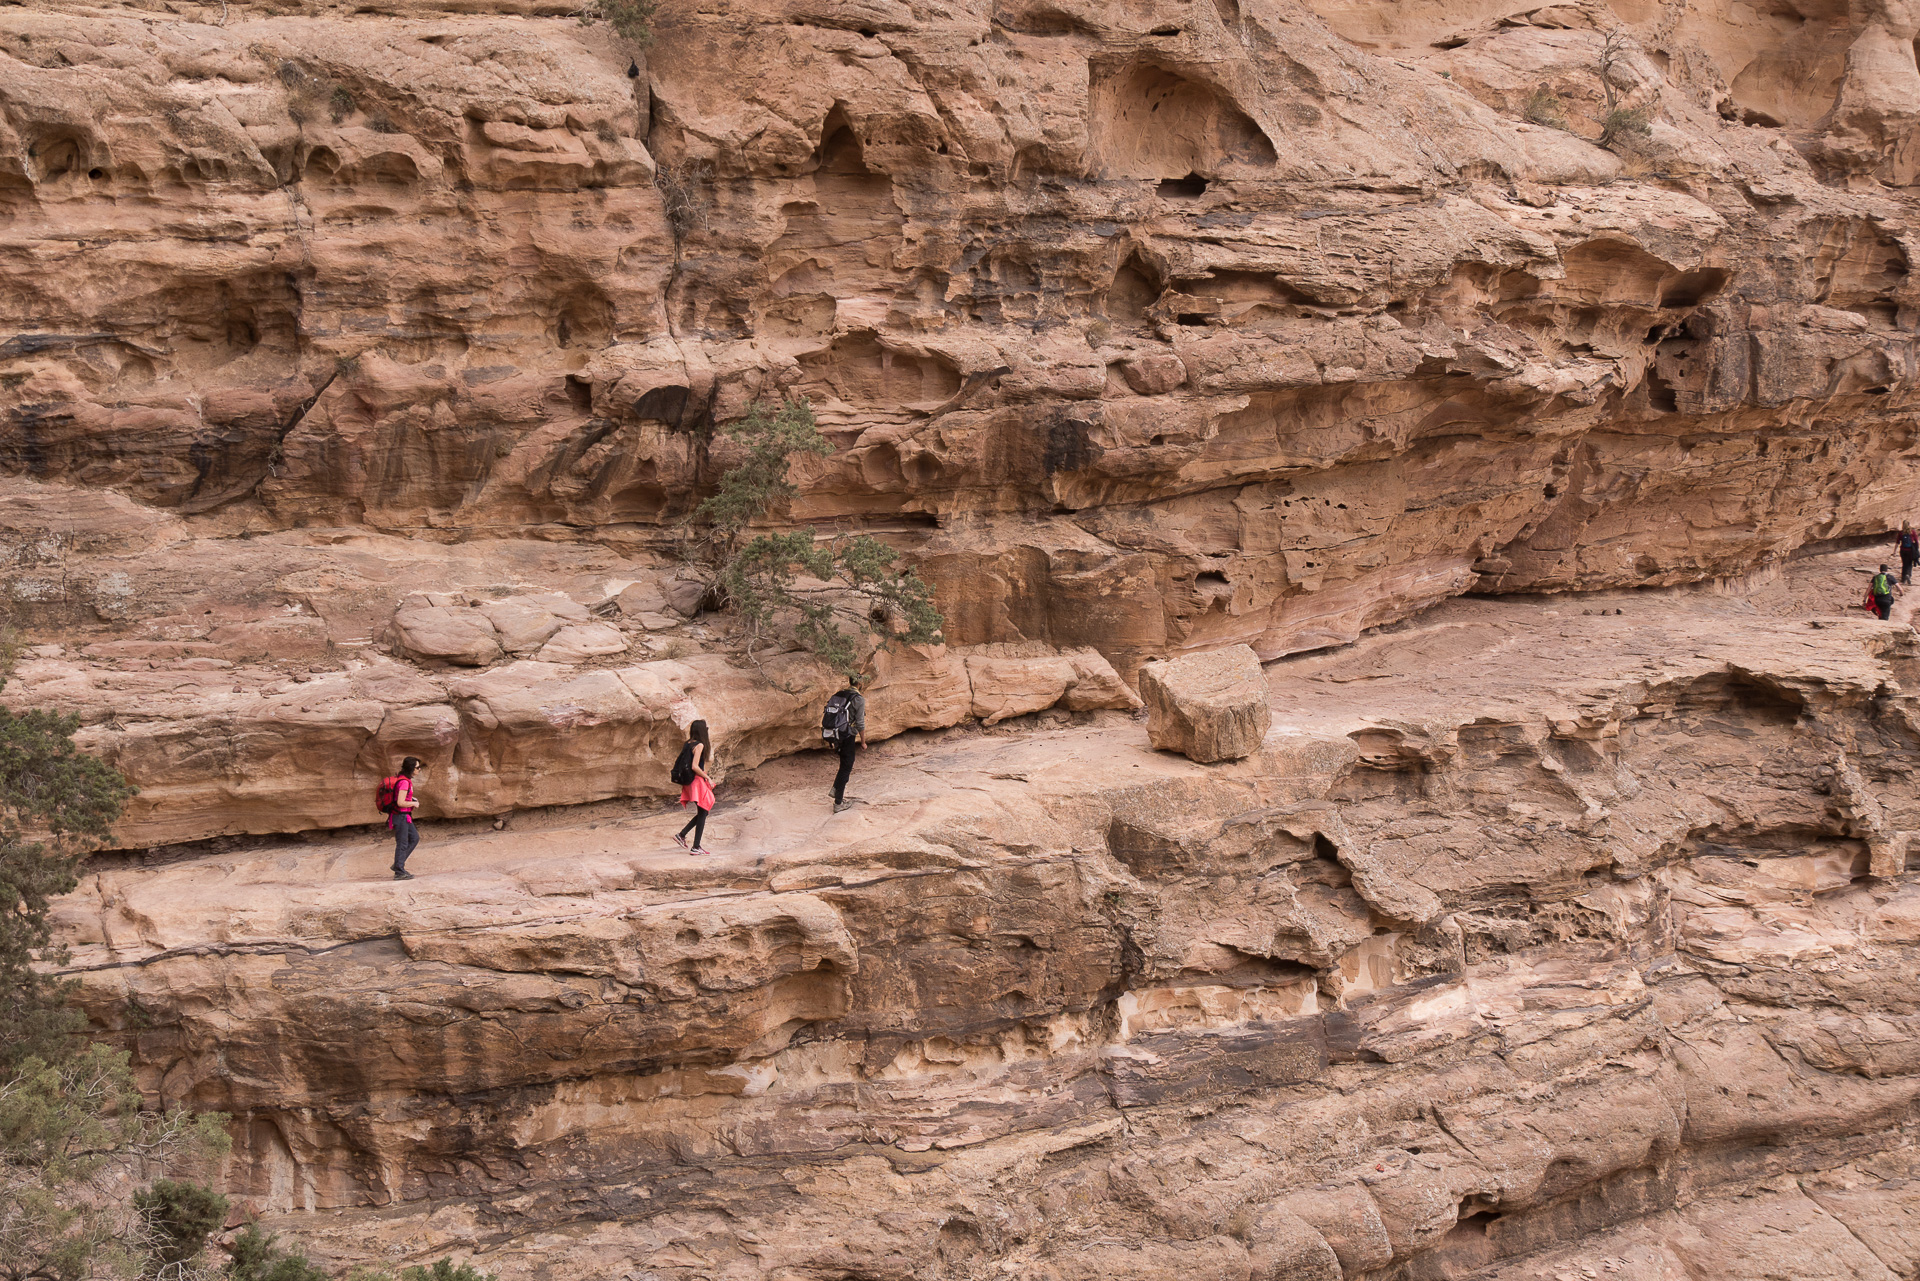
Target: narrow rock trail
1489	660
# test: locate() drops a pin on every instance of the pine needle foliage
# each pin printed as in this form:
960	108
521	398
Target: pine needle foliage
835	598
56	804
74	1139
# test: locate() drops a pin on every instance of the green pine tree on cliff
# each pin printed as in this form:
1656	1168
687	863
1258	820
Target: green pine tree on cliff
56	805
835	598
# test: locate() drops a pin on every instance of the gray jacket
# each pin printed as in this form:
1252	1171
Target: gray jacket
857	712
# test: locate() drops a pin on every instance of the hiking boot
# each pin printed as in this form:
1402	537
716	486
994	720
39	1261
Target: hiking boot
403	876
842	805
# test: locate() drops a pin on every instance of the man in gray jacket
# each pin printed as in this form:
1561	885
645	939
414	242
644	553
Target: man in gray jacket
844	724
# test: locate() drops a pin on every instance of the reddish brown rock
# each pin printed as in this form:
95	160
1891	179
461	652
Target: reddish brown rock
1308	1014
363	360
1207	707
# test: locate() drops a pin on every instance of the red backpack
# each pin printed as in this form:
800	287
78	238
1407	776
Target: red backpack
388	797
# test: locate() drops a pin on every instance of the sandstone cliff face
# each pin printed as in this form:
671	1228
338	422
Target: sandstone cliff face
1151	328
359	359
1615	964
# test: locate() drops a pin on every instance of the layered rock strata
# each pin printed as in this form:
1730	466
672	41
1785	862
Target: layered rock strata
1152	328
1608	956
361	360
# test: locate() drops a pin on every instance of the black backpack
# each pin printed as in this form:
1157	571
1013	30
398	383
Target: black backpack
682	772
837	720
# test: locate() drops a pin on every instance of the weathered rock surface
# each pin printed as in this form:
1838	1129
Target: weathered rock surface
1595	953
1207	707
1152	329
359	361
219	748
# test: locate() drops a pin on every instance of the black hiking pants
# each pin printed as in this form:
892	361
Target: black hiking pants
847	747
697	825
1907	559
1883	605
405	837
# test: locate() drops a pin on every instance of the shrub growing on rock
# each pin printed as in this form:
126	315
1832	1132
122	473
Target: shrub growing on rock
633	19
833	598
56	804
74	1143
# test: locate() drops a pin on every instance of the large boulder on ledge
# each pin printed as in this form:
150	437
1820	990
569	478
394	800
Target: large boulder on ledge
1207	707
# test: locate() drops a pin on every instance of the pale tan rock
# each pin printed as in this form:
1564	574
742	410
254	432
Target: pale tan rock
638	600
521	626
459	635
1154	375
1208	707
924	687
1013	680
578	642
1004	685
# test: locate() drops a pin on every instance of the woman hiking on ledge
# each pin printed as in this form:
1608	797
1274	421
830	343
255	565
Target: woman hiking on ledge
690	771
398	802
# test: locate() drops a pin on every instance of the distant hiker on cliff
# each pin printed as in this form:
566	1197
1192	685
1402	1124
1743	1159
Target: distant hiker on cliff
1884	589
1909	552
690	771
844	724
397	802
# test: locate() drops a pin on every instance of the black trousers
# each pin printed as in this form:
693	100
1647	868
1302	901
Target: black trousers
697	825
1906	567
847	747
405	837
1883	604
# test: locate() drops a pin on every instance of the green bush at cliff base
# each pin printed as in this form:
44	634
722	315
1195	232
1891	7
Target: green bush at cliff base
179	1217
834	597
74	1138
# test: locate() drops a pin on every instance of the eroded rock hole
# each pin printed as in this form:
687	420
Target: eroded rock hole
584	318
579	393
1858	267
673	406
1694	287
1660	396
1188	188
1136	286
57	155
1151	122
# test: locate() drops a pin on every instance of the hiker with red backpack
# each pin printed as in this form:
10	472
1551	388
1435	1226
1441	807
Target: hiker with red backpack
397	802
690	771
1909	543
844	725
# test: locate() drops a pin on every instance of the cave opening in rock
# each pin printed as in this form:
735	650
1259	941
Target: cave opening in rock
1136	286
1149	121
1190	187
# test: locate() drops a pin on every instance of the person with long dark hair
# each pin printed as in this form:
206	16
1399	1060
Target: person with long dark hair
399	802
696	754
